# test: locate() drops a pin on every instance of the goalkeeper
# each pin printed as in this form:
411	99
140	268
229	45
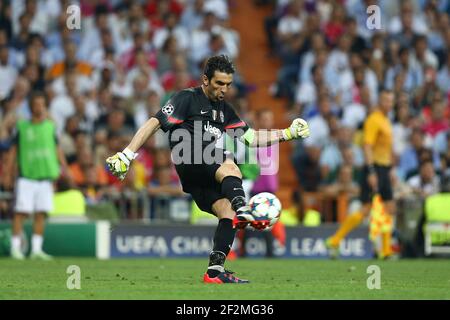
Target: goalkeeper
196	119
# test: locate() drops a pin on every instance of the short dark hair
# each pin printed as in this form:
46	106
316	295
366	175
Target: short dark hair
383	89
100	9
218	63
403	50
37	94
418	38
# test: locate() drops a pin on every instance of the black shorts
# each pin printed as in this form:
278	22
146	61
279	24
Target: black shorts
384	184
199	181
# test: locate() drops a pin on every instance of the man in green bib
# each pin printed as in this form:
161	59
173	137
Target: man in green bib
38	159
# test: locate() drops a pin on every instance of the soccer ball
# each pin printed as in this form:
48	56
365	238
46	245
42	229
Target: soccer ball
265	206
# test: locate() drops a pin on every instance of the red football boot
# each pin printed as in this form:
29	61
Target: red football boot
243	217
223	277
260	224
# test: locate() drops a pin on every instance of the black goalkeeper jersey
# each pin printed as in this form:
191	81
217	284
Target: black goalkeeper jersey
197	122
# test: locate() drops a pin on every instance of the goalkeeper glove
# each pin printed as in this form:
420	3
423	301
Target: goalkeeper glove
298	129
119	163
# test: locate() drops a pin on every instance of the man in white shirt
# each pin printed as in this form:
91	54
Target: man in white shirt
8	73
426	183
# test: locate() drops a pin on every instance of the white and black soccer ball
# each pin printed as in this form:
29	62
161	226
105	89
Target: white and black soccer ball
265	206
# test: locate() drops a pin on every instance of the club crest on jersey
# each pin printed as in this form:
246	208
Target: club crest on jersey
216	115
168	109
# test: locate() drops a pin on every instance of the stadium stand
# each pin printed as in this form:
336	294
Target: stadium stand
314	59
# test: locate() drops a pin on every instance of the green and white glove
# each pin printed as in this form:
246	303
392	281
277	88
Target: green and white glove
298	129
119	163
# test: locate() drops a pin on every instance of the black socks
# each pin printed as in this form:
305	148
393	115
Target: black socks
231	188
223	240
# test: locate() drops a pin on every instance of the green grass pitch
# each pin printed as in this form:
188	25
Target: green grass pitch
181	279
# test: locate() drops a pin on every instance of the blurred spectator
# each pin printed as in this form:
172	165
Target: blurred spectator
83	165
339	149
91	40
143	76
307	95
437	122
308	169
163	185
443	77
99	55
67	138
200	37
358	84
178	76
162	158
292	22
70	62
426	182
377	58
411	76
442	142
411	158
344	184
93	188
19	98
171	28
143	110
5	20
158	9
21	36
422	55
401	128
359	44
167	56
410	20
86	111
116	122
192	16
146	158
318	123
335	27
140	46
338	62
429	92
8	73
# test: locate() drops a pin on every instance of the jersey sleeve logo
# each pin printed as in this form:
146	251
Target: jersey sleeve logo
168	109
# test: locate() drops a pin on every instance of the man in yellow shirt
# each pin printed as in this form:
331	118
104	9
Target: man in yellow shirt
377	140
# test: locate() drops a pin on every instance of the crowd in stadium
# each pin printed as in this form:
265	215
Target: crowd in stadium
333	66
104	80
